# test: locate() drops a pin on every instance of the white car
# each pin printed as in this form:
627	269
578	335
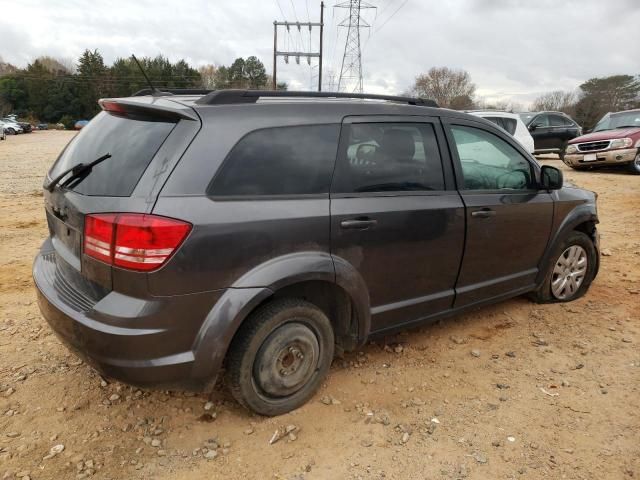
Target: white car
510	122
10	127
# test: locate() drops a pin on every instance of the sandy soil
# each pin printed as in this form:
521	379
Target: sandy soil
423	407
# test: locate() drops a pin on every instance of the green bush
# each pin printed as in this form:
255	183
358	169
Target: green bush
67	121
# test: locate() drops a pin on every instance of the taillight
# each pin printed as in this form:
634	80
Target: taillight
133	240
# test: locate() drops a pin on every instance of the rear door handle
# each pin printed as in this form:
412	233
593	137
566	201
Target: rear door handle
484	213
358	223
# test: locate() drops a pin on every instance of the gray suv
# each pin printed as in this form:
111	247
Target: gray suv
259	233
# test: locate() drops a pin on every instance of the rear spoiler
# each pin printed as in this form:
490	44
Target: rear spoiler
120	106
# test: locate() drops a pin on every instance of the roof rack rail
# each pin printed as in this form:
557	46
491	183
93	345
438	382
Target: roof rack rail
172	91
232	96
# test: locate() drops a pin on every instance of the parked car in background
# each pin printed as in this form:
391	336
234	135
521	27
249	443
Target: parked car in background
615	140
257	233
26	127
511	123
551	131
42	126
80	124
11	127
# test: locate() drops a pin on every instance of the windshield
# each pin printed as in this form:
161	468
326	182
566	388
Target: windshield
132	144
618	120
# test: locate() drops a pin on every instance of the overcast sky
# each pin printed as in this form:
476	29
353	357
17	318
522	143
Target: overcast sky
513	49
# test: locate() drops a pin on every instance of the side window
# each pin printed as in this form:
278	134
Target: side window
559	121
385	157
541	121
279	161
495	120
490	163
509	124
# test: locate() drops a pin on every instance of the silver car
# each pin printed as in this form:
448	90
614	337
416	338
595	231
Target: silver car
11	127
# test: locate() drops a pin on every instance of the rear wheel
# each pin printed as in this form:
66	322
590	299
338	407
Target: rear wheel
11	131
570	272
634	166
279	356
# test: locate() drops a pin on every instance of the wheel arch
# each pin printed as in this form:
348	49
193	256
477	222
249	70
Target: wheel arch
582	219
330	283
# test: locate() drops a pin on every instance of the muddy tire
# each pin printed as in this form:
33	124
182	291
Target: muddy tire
280	356
570	272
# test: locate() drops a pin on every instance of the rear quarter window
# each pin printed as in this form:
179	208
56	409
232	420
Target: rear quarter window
132	143
294	160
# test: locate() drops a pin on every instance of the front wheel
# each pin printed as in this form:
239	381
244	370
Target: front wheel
279	356
571	272
634	166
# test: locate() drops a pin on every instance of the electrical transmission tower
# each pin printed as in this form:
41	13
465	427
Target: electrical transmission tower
351	70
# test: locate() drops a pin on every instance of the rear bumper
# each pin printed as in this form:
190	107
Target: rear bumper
607	157
141	341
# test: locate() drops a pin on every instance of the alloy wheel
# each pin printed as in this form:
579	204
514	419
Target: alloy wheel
569	272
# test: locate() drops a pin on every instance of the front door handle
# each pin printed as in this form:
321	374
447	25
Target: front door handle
358	223
484	213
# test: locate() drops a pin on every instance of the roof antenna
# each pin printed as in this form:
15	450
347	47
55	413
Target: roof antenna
154	90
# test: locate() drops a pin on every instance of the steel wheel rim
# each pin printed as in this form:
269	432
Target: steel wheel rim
569	272
636	162
284	367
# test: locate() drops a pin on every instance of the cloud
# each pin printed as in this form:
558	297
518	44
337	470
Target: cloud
512	48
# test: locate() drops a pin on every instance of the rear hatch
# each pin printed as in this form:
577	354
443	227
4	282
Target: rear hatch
145	138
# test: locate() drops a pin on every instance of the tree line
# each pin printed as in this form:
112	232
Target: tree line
587	104
58	90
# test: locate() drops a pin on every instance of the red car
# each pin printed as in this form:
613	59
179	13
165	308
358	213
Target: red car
615	140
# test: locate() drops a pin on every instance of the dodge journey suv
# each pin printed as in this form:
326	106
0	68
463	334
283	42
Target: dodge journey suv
258	233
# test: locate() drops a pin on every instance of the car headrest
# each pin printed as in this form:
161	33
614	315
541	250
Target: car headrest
398	144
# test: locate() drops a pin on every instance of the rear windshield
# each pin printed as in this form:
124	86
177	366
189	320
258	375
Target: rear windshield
132	143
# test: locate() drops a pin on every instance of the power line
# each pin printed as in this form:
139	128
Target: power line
295	15
384	23
386	7
392	15
280	8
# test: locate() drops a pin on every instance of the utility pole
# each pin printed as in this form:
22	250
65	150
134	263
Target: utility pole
297	54
351	69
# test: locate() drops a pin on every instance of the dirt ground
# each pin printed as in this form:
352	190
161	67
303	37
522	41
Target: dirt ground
515	390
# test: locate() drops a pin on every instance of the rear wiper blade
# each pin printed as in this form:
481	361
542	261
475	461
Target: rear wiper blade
76	171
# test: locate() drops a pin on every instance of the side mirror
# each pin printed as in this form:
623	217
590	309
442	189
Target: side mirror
533	126
550	178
